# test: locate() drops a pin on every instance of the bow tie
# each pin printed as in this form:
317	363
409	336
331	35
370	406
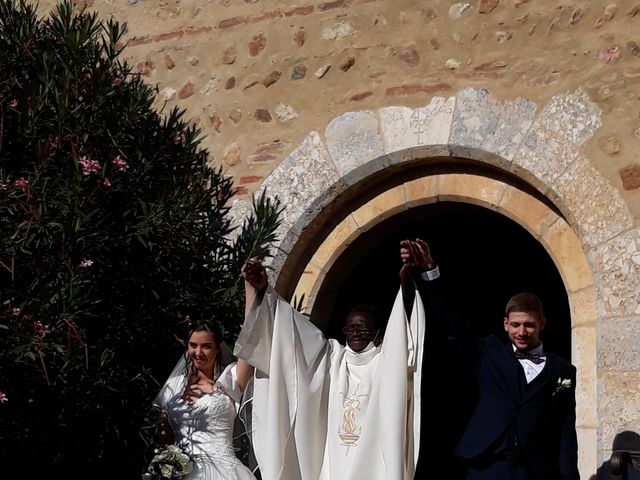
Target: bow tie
536	358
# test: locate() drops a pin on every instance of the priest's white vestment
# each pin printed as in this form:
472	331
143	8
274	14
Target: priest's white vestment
322	411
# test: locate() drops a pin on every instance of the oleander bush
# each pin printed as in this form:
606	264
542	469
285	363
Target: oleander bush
113	230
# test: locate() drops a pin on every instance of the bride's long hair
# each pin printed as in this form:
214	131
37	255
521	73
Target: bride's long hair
191	370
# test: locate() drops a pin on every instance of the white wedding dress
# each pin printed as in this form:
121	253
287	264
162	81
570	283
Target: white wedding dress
204	429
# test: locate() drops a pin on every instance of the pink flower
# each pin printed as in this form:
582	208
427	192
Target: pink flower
3	397
106	182
15	312
40	328
120	164
86	263
13	103
89	166
22	183
181	138
116	82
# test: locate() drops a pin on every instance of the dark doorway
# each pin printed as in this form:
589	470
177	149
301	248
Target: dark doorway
485	258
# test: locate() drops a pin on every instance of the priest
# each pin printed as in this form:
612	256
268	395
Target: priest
326	411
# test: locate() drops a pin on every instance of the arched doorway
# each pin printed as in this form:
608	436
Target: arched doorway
526	212
484	258
593	244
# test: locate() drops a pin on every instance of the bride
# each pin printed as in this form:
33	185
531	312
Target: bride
199	403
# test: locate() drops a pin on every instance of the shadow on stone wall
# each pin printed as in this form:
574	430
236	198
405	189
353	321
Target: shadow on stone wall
622	465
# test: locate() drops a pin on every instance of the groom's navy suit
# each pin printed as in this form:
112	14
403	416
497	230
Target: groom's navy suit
532	424
527	427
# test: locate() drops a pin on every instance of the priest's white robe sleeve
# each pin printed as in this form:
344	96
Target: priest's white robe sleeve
300	384
290	392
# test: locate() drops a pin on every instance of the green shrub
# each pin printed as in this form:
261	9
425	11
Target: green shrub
112	230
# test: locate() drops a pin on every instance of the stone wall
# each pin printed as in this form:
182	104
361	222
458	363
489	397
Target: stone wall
258	75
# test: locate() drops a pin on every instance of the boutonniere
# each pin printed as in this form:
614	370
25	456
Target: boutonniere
563	384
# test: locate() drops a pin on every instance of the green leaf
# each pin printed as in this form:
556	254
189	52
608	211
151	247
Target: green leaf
109	270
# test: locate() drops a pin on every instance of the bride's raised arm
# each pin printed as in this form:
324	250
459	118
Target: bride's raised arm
244	371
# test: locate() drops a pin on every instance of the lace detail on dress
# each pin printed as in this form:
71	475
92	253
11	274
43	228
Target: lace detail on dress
205	430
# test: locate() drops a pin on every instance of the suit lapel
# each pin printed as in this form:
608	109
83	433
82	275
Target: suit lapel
508	369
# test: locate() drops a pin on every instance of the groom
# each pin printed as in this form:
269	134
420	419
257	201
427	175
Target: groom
325	411
523	426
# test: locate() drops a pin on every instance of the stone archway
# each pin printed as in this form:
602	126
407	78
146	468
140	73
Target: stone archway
549	228
595	244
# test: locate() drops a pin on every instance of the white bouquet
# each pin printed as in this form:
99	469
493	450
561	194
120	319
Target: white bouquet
170	463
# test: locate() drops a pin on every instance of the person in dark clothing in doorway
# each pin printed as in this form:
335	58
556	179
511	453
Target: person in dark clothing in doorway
523	424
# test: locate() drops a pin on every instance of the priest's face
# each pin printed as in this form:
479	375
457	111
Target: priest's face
359	328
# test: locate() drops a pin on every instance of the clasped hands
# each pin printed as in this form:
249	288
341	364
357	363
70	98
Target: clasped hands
204	386
414	255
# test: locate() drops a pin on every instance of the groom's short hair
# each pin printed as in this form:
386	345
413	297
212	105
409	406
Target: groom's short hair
525	302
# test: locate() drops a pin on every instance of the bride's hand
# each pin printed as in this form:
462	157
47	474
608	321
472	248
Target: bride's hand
198	390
